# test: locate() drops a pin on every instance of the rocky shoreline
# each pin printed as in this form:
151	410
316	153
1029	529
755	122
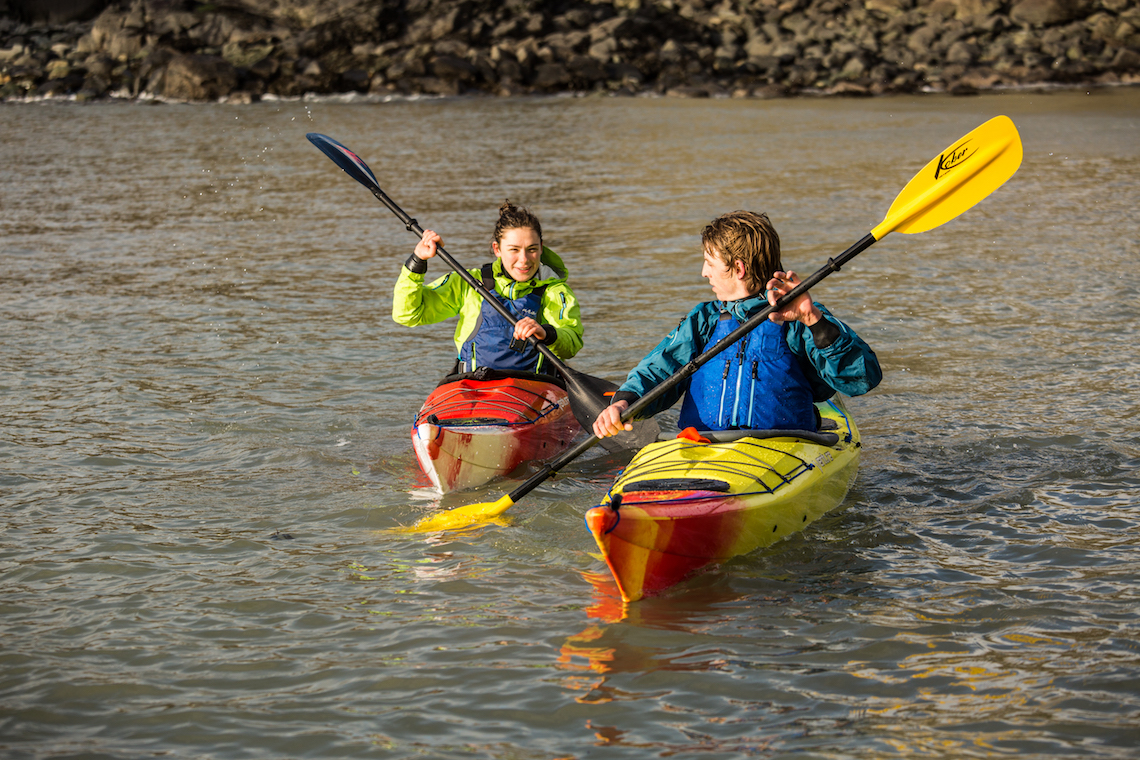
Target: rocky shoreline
246	50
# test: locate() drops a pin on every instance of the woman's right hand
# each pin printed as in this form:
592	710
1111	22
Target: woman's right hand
609	421
425	249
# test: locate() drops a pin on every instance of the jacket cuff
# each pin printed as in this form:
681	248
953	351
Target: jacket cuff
416	264
551	335
824	333
627	396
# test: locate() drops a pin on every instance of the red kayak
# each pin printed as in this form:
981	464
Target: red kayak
479	426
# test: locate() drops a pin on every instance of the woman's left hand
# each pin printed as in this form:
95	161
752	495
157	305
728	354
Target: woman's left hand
526	327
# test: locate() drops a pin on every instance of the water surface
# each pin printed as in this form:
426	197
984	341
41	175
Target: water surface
204	414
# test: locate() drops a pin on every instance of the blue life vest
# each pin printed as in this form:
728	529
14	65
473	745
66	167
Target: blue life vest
492	343
755	384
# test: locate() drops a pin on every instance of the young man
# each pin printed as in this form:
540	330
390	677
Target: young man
771	378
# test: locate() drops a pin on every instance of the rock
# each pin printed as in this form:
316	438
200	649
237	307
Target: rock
356	79
758	48
65	85
627	74
197	77
58	69
453	69
586	70
56	12
851	90
962	53
689	91
551	76
976	9
887	7
1044	12
603	49
962	88
769	91
241	56
1126	60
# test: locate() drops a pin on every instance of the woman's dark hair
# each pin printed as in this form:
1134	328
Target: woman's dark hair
513	217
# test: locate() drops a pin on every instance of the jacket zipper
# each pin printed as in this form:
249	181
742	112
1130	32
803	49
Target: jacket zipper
752	391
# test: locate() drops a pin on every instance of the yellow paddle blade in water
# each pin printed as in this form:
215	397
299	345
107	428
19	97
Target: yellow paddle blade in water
463	517
956	179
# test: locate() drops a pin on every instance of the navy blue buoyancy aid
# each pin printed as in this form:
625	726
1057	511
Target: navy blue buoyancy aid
755	384
492	343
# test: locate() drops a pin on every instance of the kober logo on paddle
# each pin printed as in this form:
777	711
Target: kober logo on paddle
953	157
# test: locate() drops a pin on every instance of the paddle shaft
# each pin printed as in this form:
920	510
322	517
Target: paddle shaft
413	226
833	265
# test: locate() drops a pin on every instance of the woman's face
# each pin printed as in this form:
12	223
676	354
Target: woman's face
519	250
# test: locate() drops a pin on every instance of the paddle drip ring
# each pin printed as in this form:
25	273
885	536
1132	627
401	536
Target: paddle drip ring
411	223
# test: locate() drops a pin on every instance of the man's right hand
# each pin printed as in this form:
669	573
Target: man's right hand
609	421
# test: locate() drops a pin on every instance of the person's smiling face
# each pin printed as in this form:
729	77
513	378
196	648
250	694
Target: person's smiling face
519	249
727	284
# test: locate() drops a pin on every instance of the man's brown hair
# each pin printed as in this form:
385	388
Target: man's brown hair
749	238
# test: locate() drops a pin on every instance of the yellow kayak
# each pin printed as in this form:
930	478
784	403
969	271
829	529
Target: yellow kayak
704	497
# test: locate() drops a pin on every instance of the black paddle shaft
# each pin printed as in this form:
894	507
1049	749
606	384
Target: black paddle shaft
833	265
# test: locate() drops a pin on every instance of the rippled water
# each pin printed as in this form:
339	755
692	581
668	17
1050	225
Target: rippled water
204	437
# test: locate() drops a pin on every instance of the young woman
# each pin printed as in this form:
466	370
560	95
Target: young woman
527	277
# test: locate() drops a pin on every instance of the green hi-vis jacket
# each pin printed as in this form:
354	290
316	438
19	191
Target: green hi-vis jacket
414	303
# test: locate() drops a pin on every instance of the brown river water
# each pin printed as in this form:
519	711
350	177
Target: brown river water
204	439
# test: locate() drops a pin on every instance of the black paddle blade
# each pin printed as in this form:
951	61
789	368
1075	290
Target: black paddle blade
345	159
589	395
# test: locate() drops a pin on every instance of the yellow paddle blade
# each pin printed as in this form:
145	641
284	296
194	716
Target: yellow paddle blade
956	179
463	517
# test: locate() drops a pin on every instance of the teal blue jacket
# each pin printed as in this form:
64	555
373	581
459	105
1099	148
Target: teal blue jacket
847	365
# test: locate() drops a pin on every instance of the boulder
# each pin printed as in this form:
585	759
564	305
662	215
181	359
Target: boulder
1040	13
55	12
453	69
197	77
550	76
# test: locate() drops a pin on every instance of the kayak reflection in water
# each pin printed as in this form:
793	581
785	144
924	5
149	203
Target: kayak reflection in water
772	377
528	278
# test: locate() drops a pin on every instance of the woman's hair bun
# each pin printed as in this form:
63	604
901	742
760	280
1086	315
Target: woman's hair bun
513	217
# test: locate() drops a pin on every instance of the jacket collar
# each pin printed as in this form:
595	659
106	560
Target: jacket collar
744	308
550	270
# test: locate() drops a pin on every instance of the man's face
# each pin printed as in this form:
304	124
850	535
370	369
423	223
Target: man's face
727	284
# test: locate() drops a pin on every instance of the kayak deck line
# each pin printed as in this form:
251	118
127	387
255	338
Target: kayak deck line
754	469
453	408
